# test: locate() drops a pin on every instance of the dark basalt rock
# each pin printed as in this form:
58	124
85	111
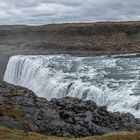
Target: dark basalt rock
20	108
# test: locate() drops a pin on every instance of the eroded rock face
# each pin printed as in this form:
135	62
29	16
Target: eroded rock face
20	108
74	38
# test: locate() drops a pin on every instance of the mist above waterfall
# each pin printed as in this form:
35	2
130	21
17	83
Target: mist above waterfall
109	81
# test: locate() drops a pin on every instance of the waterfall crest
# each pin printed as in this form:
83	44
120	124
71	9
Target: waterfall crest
109	81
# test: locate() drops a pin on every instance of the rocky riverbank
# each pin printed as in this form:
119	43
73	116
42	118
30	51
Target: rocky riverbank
20	108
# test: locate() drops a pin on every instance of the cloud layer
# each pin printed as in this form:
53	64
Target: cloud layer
59	11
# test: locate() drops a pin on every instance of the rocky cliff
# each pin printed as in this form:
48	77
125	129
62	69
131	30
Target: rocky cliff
71	117
82	38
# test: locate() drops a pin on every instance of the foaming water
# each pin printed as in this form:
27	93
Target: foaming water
110	81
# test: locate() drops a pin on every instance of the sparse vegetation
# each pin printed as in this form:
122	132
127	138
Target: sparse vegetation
12	113
12	134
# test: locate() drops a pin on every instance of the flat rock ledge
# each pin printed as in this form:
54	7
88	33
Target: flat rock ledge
20	108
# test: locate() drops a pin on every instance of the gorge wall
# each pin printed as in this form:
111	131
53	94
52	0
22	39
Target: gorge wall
82	38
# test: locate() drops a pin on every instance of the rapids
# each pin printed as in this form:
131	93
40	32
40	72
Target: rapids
110	81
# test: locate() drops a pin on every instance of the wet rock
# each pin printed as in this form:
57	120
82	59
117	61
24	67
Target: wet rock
20	108
137	106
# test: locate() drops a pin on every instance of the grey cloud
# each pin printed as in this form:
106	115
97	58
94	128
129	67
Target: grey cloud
58	11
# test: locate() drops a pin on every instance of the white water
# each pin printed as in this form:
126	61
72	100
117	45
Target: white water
106	80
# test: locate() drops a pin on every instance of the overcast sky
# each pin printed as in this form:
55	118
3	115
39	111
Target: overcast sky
60	11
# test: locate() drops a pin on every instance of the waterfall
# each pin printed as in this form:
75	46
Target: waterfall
109	81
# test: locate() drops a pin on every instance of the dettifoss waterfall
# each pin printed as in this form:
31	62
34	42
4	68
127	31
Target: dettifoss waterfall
110	81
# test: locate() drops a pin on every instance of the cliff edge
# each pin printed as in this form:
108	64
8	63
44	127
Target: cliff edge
78	38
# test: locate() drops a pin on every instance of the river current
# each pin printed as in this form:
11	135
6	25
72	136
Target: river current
108	80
